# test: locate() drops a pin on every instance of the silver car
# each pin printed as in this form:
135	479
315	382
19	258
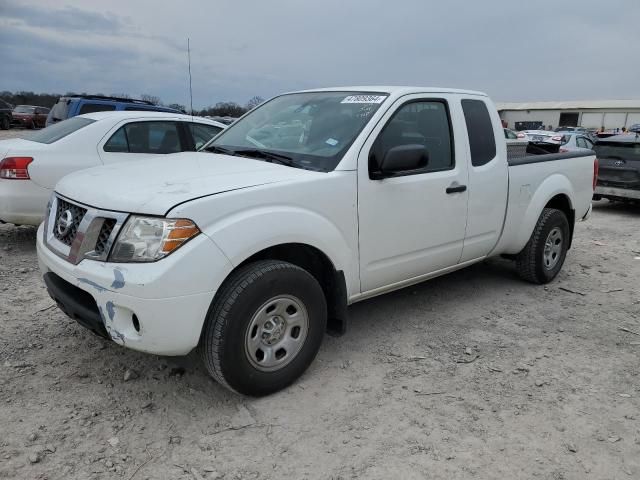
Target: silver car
572	141
543	136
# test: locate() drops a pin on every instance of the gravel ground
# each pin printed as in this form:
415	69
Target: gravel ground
14	133
471	375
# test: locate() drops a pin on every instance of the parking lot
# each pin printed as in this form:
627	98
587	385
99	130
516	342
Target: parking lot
472	375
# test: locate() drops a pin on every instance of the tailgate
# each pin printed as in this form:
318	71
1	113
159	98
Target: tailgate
619	164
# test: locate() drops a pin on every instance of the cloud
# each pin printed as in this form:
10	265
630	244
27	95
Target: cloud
547	51
65	18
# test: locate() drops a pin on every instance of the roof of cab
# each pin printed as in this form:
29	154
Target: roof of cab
394	90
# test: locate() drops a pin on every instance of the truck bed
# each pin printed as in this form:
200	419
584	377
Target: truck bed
524	153
568	176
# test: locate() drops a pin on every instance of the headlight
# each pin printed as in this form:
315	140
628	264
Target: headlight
147	239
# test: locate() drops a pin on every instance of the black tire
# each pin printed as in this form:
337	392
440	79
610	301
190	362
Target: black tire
5	123
531	263
223	342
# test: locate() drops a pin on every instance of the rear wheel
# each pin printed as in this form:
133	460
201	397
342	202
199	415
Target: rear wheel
264	328
5	123
543	256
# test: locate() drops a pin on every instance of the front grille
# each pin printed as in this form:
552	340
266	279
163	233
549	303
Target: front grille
67	220
103	236
75	232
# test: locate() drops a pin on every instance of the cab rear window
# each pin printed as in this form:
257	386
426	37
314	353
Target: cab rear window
55	132
482	141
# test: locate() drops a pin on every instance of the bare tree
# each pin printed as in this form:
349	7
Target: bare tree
224	109
150	98
177	106
254	102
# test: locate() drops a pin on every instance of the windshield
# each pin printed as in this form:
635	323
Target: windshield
53	133
24	109
618	150
311	130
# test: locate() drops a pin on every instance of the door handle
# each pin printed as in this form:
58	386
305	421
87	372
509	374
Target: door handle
456	189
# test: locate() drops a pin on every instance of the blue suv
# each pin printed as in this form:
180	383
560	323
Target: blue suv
68	107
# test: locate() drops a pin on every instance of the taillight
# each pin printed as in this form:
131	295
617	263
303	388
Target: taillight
15	168
595	173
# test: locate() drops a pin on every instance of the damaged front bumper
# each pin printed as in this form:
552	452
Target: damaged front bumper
157	308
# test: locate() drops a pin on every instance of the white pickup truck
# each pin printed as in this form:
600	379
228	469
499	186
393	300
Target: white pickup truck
254	247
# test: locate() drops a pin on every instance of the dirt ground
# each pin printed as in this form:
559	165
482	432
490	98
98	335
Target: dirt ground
14	133
471	375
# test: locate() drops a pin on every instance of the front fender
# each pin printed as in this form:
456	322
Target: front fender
245	233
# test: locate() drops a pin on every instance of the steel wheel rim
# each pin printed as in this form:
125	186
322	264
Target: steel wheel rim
276	333
553	248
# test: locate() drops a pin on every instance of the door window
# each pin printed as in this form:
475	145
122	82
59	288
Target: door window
118	142
95	107
202	133
423	123
482	140
145	137
584	143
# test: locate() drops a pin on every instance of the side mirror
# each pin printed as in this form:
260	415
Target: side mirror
403	158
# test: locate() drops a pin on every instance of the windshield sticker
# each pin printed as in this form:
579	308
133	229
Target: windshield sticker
331	141
364	99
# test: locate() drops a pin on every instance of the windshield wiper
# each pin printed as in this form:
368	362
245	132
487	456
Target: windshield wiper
254	152
217	149
268	156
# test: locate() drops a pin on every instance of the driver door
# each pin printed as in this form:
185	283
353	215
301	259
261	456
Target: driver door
413	223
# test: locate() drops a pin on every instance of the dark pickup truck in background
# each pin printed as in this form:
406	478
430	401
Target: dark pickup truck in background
619	162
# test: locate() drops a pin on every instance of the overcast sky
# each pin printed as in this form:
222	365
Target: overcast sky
513	50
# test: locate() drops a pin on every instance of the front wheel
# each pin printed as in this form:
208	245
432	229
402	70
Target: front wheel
543	256
5	123
264	328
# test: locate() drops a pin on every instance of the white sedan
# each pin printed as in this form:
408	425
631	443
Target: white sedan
543	136
31	167
572	141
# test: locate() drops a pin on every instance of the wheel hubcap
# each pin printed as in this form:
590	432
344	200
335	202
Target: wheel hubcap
552	248
276	333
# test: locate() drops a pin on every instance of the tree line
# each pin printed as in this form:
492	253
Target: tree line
220	109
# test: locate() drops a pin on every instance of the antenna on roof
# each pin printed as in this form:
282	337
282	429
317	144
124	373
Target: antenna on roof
190	88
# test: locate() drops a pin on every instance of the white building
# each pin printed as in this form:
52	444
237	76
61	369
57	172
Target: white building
589	114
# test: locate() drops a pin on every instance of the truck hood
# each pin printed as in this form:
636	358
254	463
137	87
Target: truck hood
157	184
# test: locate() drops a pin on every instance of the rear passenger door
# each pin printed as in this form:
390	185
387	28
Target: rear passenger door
488	176
139	139
412	224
